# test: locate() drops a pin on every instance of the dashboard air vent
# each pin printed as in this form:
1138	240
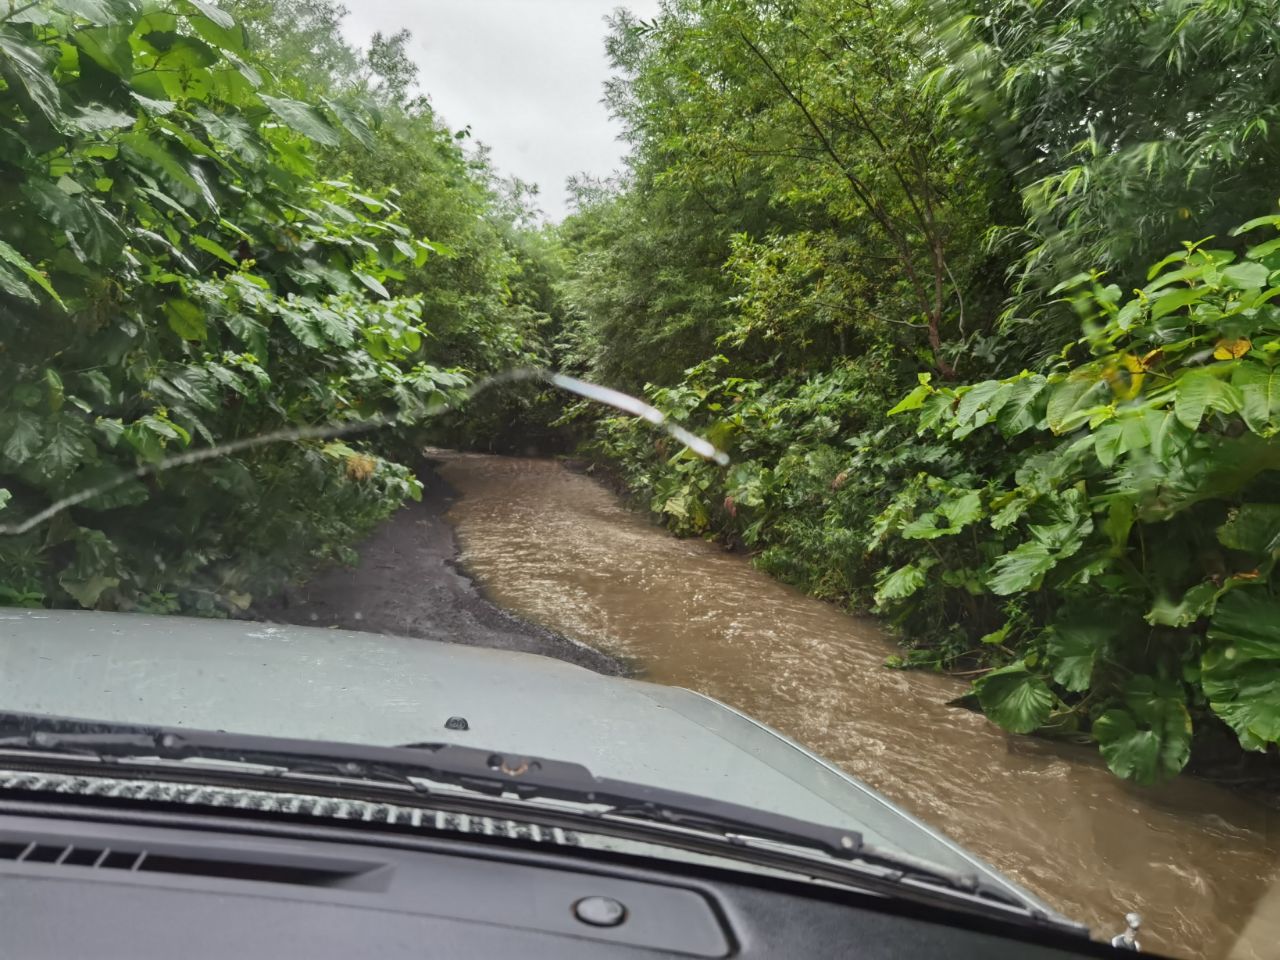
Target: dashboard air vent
142	861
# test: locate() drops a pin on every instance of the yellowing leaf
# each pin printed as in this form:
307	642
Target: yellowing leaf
1232	349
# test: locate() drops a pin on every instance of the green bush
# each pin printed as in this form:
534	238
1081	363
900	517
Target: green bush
1129	533
1104	535
175	275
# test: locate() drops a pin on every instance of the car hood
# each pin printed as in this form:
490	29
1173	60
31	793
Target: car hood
325	684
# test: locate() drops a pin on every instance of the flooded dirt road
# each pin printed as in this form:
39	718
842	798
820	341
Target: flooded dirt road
1200	863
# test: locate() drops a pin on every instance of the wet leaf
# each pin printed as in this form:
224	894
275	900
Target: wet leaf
108	47
1020	412
352	122
95	11
88	590
26	69
1194	604
1199	391
1246	276
24	434
218	16
1142	753
1070	402
913	400
11	256
1073	648
215	248
1259	388
1253	528
1015	698
903	582
1240	671
186	319
303	118
1021	568
373	283
67	446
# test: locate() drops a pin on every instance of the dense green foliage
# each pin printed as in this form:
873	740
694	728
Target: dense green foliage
901	261
1138	519
187	262
1125	127
894	260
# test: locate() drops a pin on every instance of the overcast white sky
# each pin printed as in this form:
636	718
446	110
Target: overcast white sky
526	75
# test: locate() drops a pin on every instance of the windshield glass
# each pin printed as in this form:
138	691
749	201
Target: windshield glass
898	379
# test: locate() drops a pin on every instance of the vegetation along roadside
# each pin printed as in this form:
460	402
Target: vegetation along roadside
977	295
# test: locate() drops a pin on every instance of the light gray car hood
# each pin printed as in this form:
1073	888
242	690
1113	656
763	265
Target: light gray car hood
322	684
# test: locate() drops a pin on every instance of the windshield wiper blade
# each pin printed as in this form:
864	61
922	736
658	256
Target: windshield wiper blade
474	769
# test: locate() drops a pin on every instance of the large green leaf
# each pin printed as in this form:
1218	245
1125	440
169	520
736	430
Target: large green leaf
1021	568
1259	388
154	155
1071	400
27	70
24	434
96	118
302	326
1168	435
182	59
980	404
186	319
108	47
1176	299
1021	411
9	255
303	118
962	510
1240	670
1253	528
352	122
1142	753
950	518
1073	646
1121	513
13	284
218	250
336	327
924	527
1197	602
1150	741
87	590
1200	390
913	400
1246	276
1015	698
67	445
372	282
214	13
903	582
232	40
1122	435
95	11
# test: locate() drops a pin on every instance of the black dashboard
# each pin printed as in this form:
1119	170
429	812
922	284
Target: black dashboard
79	880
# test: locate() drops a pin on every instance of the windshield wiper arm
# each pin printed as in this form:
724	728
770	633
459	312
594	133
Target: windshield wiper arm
475	769
471	768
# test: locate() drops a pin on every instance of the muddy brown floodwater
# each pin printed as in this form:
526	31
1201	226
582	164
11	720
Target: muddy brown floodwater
1200	863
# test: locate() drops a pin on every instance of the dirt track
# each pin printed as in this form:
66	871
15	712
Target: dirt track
408	582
